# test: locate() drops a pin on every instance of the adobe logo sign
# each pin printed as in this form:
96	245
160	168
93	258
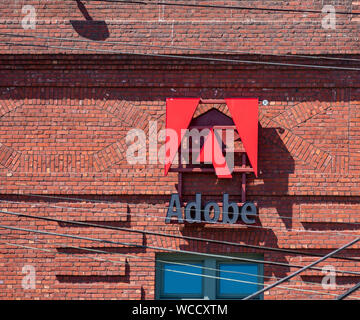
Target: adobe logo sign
179	116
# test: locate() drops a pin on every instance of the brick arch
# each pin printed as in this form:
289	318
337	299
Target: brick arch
301	113
133	117
10	100
300	148
130	115
9	158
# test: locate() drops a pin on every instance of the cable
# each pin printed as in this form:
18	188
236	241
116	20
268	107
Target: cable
165	234
177	271
173	56
141	246
112	202
199	221
147	215
262	248
110	42
164	261
195	274
349	292
146	258
128	256
347	234
213	51
74	255
255	294
214	6
194	266
170	249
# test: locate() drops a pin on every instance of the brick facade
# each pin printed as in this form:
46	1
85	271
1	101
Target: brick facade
64	119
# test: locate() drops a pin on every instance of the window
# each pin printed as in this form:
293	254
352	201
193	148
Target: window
195	277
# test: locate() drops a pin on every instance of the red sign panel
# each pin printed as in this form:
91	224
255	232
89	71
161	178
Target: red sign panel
244	112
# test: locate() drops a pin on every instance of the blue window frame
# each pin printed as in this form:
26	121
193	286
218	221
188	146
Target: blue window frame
193	277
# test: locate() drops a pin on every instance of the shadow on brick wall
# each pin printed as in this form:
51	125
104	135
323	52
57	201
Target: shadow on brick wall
89	28
275	165
243	236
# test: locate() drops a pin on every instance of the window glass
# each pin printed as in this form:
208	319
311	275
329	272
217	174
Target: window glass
237	288
187	277
180	279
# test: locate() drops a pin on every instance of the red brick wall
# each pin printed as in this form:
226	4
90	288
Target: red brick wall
205	28
63	122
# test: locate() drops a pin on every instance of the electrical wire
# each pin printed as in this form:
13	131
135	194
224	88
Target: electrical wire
173	4
163	261
96	225
215	6
72	236
173	56
277	283
201	220
150	259
193	266
202	50
252	226
349	292
124	255
176	271
71	254
198	275
112	202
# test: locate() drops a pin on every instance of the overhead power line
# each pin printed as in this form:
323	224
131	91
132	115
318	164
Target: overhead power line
111	202
255	294
199	221
216	6
190	273
71	236
201	50
182	264
248	246
169	249
173	263
169	262
117	262
172	56
126	255
349	292
176	271
69	254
